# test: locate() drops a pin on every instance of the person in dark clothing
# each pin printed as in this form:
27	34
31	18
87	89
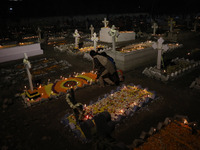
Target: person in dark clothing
115	76
105	68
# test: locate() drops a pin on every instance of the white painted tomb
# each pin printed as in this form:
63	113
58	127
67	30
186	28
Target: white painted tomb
133	59
136	55
123	35
17	52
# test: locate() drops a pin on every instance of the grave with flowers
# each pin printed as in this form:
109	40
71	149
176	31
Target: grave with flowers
57	88
75	49
173	133
136	55
110	109
177	67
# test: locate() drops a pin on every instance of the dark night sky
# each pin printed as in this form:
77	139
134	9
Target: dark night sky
37	8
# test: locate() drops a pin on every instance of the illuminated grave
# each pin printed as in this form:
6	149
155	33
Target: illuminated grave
89	48
170	71
120	103
135	55
16	51
180	66
62	85
135	47
174	133
86	48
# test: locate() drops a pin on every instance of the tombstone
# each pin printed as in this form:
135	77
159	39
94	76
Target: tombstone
91	30
39	35
188	19
154	26
171	23
195	25
114	34
139	34
95	40
105	22
28	66
77	37
161	48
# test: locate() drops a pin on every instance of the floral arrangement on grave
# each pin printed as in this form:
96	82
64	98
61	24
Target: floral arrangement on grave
118	103
176	135
122	102
62	85
135	47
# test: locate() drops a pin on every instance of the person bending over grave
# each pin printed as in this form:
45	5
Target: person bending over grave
104	67
115	76
77	107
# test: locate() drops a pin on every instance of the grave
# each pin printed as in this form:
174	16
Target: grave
113	107
172	133
132	59
123	35
58	87
170	72
135	55
196	84
14	52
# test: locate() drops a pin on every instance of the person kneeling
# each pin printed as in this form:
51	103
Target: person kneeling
104	67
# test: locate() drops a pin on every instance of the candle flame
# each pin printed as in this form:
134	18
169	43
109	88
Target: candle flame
185	121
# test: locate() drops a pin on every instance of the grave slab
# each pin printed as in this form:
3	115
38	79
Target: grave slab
17	52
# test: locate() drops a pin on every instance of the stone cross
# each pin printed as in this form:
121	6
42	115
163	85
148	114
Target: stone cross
161	48
28	66
154	26
171	24
105	22
114	33
77	37
91	30
39	34
95	39
195	25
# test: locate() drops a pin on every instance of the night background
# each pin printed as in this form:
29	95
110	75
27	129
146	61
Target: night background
32	8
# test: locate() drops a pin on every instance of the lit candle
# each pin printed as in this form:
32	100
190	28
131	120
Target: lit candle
185	121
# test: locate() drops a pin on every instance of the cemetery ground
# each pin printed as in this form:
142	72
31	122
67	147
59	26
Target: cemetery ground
39	127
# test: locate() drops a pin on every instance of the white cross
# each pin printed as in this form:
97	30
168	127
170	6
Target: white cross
160	46
154	26
95	40
28	66
195	25
39	34
77	36
105	22
92	30
114	33
171	24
